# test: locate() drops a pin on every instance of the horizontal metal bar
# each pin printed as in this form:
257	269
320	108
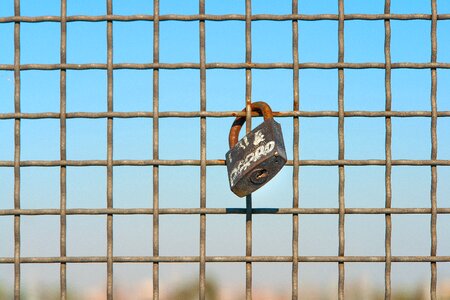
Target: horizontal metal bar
219	114
224	259
100	163
231	66
220	211
227	17
218	162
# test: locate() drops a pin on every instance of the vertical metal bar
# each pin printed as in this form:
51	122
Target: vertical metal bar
62	135
388	152
17	151
202	272
296	107
341	150
156	149
109	167
248	101
433	148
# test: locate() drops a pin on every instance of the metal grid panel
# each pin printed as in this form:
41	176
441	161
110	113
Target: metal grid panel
341	259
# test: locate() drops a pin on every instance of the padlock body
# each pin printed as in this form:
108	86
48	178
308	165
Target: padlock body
256	158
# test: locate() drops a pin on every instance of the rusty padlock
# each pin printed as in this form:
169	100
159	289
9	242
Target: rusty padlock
258	156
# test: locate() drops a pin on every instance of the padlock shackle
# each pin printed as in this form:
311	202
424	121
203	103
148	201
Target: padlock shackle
260	106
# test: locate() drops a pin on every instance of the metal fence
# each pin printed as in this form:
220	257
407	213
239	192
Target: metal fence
341	259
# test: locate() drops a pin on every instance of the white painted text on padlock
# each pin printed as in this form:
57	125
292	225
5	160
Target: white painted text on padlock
253	157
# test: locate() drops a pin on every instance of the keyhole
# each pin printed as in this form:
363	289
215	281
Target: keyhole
259	176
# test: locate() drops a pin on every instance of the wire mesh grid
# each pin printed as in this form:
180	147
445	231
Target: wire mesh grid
341	259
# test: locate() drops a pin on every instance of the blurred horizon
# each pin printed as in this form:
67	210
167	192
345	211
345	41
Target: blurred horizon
187	289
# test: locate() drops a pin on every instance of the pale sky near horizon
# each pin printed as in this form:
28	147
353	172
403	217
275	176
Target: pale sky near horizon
180	186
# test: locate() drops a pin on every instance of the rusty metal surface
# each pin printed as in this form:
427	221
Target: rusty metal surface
296	211
257	157
262	107
227	17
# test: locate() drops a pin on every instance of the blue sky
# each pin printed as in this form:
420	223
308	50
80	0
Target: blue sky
225	42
